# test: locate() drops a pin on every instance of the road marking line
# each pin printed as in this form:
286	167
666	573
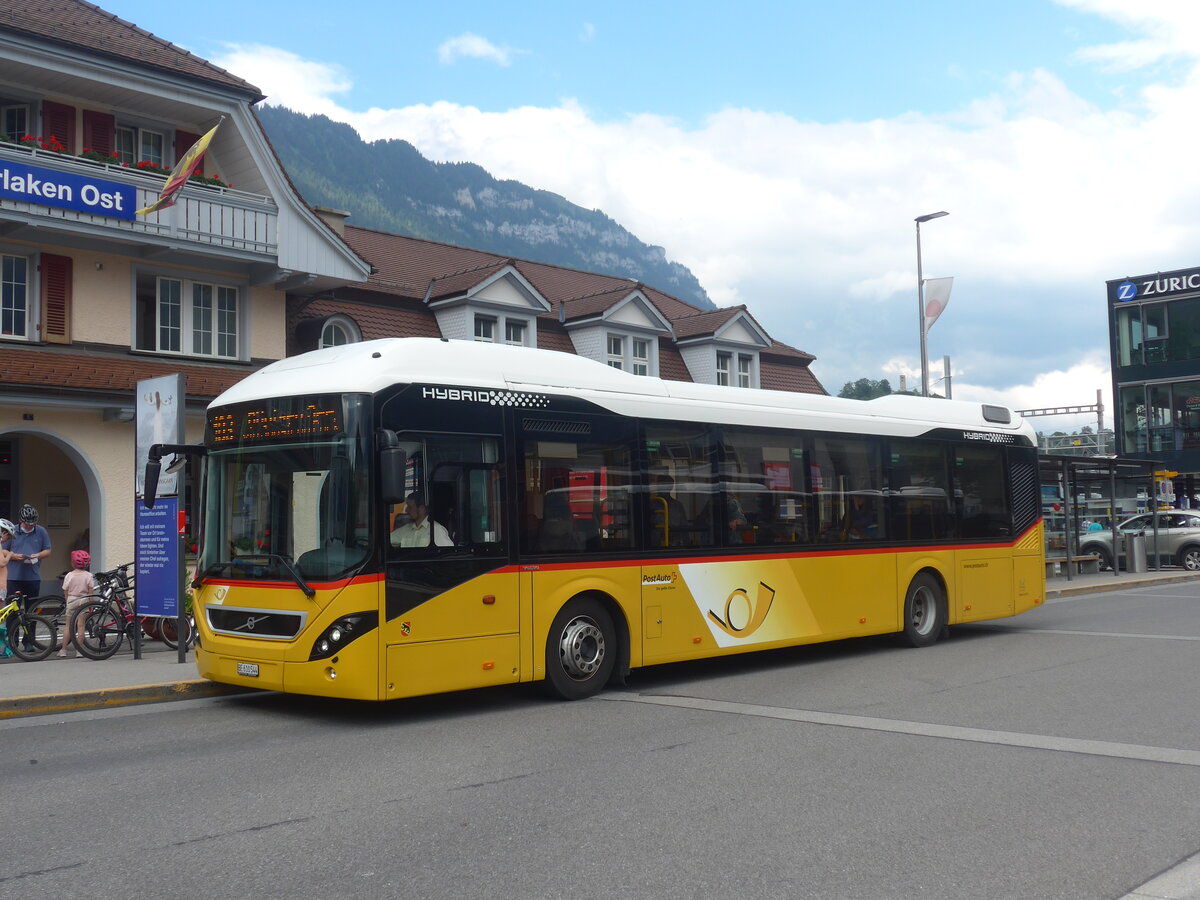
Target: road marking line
1116	634
1112	749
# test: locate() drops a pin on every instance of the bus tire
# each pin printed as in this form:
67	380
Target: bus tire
924	611
581	649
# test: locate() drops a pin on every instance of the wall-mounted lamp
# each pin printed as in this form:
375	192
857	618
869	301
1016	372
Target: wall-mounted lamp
118	414
99	266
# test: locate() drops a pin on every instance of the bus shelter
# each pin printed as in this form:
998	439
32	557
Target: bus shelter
1088	494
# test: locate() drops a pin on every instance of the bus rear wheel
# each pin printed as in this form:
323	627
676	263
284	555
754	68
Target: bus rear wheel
581	650
924	611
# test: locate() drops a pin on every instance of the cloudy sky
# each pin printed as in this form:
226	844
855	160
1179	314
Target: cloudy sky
781	150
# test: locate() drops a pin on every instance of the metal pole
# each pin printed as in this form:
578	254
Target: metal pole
921	318
1112	519
946	376
921	302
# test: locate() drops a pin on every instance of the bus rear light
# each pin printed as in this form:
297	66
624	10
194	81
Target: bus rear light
488	666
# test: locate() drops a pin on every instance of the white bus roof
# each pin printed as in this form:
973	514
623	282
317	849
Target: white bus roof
372	366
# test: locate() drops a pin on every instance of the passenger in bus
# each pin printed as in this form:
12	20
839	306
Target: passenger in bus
419	530
861	522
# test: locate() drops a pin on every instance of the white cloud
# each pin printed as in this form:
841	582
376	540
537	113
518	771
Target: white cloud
287	79
588	32
472	46
811	224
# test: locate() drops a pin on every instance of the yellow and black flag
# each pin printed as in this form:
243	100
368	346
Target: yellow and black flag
182	172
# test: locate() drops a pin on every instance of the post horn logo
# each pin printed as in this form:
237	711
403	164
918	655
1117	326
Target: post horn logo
742	615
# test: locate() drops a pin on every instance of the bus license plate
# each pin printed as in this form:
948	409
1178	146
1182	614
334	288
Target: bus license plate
250	669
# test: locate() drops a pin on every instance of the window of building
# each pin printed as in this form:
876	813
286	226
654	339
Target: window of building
189	317
485	329
514	332
744	370
338	330
1133	418
14	296
15	121
616	351
724	362
641	357
134	145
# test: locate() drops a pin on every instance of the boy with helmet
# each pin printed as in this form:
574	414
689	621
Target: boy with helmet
78	586
30	544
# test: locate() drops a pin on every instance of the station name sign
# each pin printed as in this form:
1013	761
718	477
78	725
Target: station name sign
1154	287
66	190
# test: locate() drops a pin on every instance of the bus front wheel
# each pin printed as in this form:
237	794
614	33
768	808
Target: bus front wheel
924	611
581	650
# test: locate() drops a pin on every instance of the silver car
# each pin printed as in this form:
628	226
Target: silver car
1178	540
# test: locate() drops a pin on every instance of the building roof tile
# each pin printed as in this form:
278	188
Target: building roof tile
83	25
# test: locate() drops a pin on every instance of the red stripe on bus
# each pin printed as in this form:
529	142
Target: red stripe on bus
744	557
315	585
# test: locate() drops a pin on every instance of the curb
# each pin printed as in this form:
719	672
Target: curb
105	698
1121	584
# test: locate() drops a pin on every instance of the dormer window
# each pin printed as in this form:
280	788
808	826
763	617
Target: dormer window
514	332
641	357
745	363
616	351
338	330
724	361
485	329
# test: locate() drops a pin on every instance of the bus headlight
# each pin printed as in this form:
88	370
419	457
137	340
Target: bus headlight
342	632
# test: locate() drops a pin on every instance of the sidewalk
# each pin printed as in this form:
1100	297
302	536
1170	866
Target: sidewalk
64	685
1061	586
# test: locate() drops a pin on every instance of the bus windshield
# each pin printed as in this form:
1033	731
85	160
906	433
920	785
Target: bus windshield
280	507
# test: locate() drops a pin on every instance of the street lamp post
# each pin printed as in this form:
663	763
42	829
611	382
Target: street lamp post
921	303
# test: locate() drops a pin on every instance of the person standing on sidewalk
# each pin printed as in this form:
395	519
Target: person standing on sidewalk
7	530
78	586
29	546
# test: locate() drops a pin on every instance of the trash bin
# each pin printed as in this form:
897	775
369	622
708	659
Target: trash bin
1135	552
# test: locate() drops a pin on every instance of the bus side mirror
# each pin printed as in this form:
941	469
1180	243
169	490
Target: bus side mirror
392	466
392	463
151	482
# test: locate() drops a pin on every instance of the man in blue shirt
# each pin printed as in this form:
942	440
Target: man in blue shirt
29	546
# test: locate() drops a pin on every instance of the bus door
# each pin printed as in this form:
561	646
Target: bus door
452	604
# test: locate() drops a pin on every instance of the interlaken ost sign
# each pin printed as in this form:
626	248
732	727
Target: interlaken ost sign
66	190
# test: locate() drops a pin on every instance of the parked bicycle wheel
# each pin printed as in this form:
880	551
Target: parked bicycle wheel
50	607
103	630
168	631
31	637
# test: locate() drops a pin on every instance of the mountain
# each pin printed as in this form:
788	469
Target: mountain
389	186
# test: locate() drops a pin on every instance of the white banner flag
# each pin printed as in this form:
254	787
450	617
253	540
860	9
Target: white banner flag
937	298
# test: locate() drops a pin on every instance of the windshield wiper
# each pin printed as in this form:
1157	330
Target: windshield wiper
253	560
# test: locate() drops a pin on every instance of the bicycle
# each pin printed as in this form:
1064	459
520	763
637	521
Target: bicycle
28	637
109	619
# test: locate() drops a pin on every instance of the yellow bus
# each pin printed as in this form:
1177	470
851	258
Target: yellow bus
405	517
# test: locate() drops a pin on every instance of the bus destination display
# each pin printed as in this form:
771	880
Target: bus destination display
303	420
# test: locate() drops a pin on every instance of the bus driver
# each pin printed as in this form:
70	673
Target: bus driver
416	532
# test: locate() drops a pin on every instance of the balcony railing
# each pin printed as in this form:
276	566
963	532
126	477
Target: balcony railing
206	215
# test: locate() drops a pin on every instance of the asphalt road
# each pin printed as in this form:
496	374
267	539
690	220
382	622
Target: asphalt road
1056	755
